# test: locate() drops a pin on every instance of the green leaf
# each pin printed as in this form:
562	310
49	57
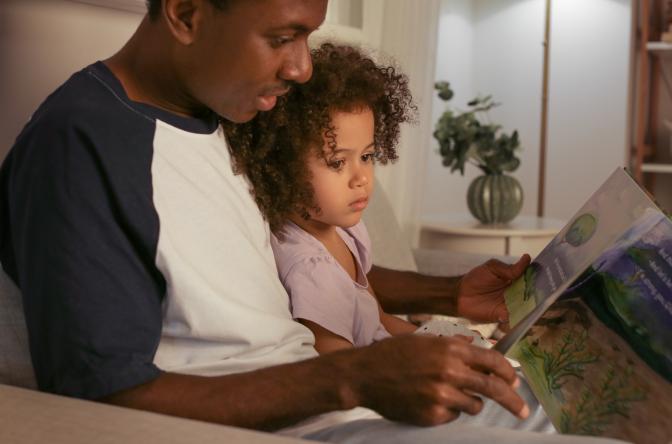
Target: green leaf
445	93
463	137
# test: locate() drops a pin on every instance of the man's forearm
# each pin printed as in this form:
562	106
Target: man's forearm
266	399
418	379
406	292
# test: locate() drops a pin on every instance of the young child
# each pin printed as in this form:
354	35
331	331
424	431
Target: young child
310	161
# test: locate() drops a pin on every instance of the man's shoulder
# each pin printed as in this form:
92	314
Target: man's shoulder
87	100
85	118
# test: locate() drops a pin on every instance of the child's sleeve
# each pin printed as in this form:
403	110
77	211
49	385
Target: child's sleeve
319	292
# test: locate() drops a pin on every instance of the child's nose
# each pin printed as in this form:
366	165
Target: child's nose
359	179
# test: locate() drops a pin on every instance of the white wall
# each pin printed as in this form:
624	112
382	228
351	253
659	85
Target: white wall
495	47
408	34
508	63
454	62
42	42
588	103
489	47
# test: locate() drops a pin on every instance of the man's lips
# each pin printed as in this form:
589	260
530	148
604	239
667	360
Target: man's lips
267	100
266	103
359	204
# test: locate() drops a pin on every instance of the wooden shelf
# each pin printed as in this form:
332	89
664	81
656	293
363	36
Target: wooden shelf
660	48
657	168
651	55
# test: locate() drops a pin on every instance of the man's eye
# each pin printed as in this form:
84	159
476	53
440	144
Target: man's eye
336	165
277	42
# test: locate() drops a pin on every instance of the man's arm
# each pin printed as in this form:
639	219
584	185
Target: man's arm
406	292
418	379
266	399
478	295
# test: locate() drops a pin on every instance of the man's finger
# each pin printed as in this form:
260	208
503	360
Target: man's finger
509	272
458	400
490	361
519	267
495	388
501	313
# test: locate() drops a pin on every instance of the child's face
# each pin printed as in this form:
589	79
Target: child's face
344	183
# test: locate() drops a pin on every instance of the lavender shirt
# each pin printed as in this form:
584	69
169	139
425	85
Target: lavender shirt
320	289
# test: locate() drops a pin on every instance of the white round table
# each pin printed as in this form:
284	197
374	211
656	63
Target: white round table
463	233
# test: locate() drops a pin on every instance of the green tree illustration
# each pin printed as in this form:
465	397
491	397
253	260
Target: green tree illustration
597	409
568	358
581	230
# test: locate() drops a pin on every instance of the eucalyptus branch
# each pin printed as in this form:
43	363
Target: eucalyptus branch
470	136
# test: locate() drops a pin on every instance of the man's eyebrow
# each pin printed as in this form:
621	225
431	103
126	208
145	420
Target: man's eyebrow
298	27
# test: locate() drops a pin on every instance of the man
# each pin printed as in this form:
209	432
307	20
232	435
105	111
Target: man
145	268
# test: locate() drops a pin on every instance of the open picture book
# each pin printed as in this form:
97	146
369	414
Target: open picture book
592	318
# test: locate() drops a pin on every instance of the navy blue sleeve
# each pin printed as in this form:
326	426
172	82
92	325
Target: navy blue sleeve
79	234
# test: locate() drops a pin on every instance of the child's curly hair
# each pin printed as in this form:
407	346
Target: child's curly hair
271	149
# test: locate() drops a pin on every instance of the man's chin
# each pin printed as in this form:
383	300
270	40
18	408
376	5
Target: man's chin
240	117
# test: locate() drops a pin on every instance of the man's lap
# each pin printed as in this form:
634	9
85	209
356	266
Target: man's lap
493	424
380	431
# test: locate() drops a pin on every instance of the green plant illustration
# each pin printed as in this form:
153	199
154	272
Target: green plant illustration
467	136
581	230
515	301
567	358
530	277
598	409
623	297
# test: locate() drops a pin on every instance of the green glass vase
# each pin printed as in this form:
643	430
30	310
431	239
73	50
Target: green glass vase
495	198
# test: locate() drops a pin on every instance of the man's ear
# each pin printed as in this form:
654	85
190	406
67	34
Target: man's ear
183	18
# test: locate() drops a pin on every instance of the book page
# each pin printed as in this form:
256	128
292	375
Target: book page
614	207
595	317
600	358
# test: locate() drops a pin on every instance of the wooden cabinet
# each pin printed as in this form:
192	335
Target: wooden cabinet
651	154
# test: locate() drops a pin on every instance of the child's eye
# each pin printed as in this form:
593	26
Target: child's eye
336	164
369	157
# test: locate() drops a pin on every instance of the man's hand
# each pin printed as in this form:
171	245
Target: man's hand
429	380
417	379
480	294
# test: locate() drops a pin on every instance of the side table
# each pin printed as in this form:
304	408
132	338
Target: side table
463	233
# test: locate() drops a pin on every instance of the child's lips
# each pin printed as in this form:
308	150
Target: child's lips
359	204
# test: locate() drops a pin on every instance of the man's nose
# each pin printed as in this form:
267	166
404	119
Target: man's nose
298	66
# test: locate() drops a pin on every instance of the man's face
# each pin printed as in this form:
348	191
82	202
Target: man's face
248	54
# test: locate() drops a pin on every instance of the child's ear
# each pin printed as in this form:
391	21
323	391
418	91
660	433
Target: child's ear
183	18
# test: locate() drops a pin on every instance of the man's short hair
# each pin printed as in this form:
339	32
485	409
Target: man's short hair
154	6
